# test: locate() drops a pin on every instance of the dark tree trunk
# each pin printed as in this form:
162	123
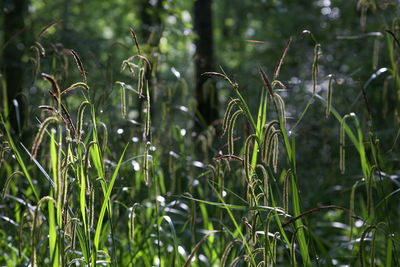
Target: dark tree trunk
151	32
205	93
12	65
151	22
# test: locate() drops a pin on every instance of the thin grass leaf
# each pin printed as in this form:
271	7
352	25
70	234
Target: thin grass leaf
352	197
83	244
248	113
394	37
53	249
339	118
238	207
96	153
361	245
389	252
365	166
105	204
304	250
293	250
18	157
261	118
250	254
91	207
105	139
196	248
33	229
370	183
309	103
83	186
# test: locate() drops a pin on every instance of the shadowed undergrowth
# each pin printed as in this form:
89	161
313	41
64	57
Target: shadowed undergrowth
99	187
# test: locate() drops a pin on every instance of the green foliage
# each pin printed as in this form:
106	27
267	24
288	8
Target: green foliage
299	179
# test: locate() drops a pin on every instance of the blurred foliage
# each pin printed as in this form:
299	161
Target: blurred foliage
355	47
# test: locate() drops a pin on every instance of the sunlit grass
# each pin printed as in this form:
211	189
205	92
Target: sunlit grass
163	198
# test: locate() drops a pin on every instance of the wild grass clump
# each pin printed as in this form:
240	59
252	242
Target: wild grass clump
127	192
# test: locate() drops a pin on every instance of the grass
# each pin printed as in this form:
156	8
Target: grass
154	200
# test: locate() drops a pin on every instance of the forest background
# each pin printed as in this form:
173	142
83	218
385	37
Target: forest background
199	132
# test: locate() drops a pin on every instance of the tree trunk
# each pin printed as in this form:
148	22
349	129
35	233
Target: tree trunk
205	92
151	32
12	65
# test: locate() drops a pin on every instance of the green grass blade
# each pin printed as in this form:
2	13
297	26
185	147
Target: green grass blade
106	200
279	221
336	114
172	227
19	159
236	226
46	175
54	252
300	235
389	251
247	111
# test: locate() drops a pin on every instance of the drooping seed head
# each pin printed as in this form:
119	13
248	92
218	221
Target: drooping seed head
78	63
278	66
